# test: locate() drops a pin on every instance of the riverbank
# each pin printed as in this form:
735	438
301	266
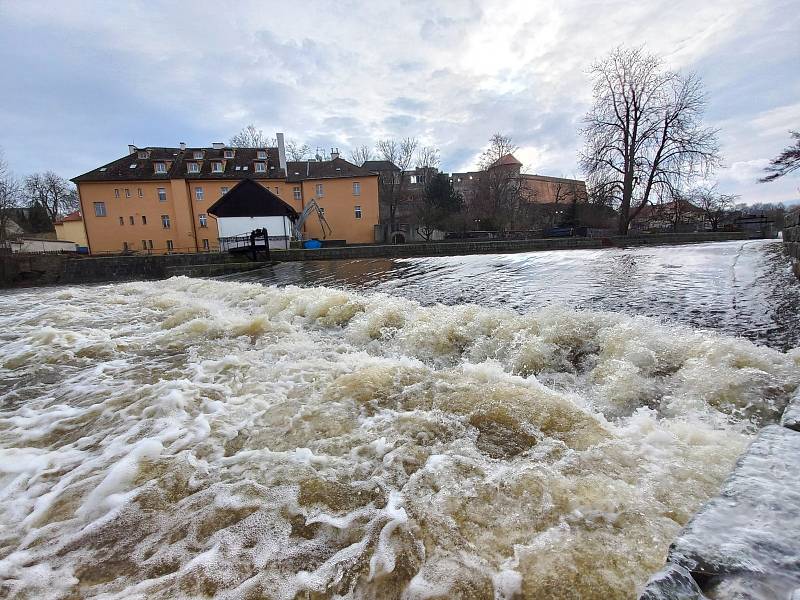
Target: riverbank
791	239
46	269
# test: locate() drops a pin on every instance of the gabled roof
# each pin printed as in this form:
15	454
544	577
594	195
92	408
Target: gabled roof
326	169
506	161
73	216
376	166
132	168
249	198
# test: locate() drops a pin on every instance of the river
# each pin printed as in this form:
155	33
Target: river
505	426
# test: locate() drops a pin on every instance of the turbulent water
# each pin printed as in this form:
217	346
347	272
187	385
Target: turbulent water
192	438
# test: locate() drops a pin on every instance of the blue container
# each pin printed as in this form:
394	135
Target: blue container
312	244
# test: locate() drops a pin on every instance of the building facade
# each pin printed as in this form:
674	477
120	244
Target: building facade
156	199
70	228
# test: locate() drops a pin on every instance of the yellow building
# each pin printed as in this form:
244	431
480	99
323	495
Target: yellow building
70	228
156	199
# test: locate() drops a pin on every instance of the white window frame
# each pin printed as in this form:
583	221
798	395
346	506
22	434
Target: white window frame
193	167
170	246
160	167
197	154
260	167
356	188
357	211
227	154
206	244
127	192
165	223
141	193
116	192
261	154
296	193
320	190
102	209
217	167
199	194
203	220
162	194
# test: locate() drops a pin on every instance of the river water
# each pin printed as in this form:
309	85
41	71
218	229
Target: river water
535	425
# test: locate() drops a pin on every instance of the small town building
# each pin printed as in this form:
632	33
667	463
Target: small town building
157	199
70	228
249	206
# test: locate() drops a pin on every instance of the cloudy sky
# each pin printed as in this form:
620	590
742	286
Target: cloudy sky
82	80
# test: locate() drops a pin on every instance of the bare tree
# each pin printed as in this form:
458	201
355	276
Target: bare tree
500	195
9	196
392	183
786	162
297	152
427	163
56	195
499	146
644	133
713	204
251	137
361	155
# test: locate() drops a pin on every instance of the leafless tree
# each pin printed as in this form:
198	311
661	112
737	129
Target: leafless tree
9	196
427	164
296	151
644	132
392	183
713	204
786	162
361	155
499	146
500	195
52	192
251	137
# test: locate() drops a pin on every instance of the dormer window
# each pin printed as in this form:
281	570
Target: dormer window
216	167
160	167
261	154
228	154
143	154
194	167
197	154
260	167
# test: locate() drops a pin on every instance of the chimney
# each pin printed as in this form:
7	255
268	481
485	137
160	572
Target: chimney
183	145
217	145
281	152
334	153
131	149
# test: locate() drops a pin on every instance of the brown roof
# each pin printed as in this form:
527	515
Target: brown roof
311	169
506	161
380	165
73	216
132	168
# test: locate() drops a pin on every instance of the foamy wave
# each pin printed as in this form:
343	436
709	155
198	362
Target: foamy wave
191	438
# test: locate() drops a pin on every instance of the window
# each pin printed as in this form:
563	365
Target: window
162	194
206	245
198	193
320	192
99	209
223	191
161	167
356	188
197	154
124	246
144	220
261	154
414	179
133	221
169	245
216	167
194	167
260	167
127	193
165	221
142	154
133	166
144	244
122	220
358	212
149	244
141	193
228	154
296	193
116	192
203	221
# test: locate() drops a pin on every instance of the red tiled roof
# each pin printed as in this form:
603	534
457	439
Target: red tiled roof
73	216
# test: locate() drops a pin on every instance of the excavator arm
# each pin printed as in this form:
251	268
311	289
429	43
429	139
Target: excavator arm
311	208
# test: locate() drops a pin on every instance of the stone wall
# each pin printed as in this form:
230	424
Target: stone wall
791	238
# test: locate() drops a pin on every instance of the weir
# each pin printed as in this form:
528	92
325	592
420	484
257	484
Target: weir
744	542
